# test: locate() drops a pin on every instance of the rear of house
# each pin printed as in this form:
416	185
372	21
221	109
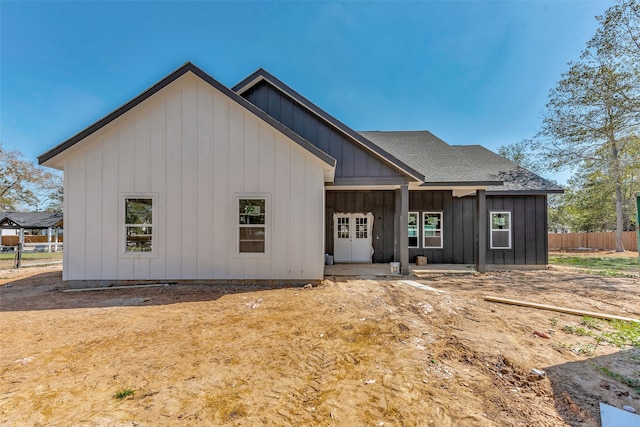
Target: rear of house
195	181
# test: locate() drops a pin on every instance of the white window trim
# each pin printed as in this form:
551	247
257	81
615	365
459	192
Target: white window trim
267	225
441	229
491	230
122	226
418	225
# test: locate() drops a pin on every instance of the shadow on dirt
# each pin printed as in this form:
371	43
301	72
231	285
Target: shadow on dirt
613	379
45	292
537	283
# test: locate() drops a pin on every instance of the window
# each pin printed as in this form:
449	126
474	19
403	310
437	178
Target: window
432	229
251	225
500	235
413	229
138	214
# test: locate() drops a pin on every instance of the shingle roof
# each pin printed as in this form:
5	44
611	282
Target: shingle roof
515	178
30	220
435	159
443	164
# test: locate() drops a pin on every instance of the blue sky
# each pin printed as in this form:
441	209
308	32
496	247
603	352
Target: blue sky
472	72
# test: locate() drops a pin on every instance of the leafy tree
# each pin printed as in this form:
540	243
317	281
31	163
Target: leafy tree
593	115
523	154
618	37
24	185
55	196
526	154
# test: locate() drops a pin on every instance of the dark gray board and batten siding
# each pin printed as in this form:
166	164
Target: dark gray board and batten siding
353	160
355	164
458	226
380	203
529	238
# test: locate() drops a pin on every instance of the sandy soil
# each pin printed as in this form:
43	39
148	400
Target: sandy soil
357	352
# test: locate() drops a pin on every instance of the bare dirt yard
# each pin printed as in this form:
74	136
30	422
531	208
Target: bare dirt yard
350	352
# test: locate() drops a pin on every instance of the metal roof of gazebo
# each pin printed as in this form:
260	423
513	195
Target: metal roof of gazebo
31	220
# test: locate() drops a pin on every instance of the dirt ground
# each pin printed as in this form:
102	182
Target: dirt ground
351	352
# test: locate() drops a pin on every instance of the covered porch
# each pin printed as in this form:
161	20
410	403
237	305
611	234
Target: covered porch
381	213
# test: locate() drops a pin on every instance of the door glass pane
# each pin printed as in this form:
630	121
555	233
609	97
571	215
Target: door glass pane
343	228
361	228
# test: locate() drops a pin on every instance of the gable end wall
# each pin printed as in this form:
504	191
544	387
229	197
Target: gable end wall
353	161
195	150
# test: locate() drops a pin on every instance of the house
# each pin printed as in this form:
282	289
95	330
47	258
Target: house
192	180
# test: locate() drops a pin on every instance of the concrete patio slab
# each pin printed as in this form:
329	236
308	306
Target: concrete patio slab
377	270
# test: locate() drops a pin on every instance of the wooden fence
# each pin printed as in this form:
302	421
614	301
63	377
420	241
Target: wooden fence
14	240
600	240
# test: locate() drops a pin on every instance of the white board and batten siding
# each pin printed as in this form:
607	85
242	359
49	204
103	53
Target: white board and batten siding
195	151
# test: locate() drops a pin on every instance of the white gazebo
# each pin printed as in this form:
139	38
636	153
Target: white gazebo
21	221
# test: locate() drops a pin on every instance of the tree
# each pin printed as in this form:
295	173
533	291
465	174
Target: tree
593	115
24	185
526	154
522	153
618	37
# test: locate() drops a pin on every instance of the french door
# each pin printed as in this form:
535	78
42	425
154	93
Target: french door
352	237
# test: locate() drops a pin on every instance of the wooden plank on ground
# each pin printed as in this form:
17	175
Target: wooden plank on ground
559	309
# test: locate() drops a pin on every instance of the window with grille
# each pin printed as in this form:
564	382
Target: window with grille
432	229
413	229
252	225
138	224
500	231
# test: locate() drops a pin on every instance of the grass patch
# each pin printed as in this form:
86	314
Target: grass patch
577	330
576	348
123	393
623	334
602	265
31	255
631	382
615	332
8	259
590	322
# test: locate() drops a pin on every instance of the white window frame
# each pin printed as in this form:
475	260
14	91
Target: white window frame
441	229
508	230
122	225
418	224
267	225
